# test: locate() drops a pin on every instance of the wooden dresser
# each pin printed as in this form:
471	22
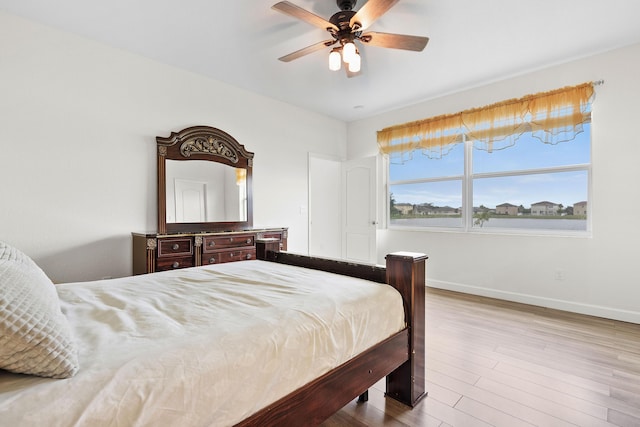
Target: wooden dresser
159	252
205	204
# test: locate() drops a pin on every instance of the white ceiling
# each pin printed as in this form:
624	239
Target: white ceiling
472	42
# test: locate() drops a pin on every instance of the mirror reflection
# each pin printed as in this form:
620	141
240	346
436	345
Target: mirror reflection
205	191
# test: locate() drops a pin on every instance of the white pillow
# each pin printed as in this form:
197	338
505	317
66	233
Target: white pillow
35	337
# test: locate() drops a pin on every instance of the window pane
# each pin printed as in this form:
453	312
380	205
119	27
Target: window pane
552	201
427	204
530	153
421	166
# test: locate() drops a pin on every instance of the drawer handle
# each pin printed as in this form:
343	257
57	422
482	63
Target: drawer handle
212	243
231	239
231	254
212	260
248	256
175	247
176	264
249	240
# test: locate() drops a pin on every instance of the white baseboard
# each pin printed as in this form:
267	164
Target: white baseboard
570	306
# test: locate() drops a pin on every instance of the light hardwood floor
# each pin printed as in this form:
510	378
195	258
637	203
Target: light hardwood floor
497	363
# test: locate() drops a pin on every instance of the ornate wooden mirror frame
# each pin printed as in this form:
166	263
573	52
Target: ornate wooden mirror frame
209	144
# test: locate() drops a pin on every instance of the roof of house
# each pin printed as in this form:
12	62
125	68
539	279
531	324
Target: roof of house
544	203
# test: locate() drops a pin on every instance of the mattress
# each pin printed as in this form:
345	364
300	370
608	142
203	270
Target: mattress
203	346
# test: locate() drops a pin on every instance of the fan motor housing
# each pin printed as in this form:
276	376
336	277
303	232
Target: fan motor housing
342	19
346	4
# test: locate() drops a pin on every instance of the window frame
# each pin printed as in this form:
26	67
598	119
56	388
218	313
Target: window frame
468	178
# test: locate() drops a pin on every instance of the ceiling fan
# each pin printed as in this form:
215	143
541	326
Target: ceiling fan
346	27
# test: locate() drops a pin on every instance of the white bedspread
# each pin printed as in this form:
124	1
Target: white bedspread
205	346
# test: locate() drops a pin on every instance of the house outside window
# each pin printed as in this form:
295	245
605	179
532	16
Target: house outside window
545	209
580	209
506	209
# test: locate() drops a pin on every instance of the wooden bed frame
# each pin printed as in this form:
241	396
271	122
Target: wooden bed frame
401	357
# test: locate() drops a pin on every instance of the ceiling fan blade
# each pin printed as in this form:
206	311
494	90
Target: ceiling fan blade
304	15
370	12
306	50
395	41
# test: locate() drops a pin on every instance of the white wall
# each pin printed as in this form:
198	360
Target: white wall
601	275
77	147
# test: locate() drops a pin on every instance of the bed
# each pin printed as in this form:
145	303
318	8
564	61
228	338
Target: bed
281	340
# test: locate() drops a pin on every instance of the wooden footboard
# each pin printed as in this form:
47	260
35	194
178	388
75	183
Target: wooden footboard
400	358
318	400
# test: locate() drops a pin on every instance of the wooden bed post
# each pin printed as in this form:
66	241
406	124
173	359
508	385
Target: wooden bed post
406	272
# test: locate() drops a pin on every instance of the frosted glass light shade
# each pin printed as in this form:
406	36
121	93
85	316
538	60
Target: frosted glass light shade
334	60
354	64
348	52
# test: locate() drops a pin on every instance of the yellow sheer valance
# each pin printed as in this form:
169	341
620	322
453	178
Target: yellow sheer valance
552	117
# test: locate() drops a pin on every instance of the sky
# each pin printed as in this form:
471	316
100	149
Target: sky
564	188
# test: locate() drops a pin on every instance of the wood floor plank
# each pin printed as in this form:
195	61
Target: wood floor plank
556	377
498	402
499	363
569	388
536	390
623	420
453	371
556	409
460	356
632	398
444	395
581	369
490	415
449	415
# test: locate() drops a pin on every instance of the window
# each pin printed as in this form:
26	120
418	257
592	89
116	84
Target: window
520	175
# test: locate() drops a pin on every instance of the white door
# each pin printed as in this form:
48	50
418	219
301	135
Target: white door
190	201
359	216
325	225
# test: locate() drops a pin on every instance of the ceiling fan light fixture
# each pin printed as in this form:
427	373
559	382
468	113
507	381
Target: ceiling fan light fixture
348	52
335	59
345	27
354	64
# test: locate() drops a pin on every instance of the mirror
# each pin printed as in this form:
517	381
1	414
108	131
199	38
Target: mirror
202	191
204	182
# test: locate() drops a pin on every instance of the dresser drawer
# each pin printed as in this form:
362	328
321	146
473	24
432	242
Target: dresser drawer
163	264
229	256
215	243
175	247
